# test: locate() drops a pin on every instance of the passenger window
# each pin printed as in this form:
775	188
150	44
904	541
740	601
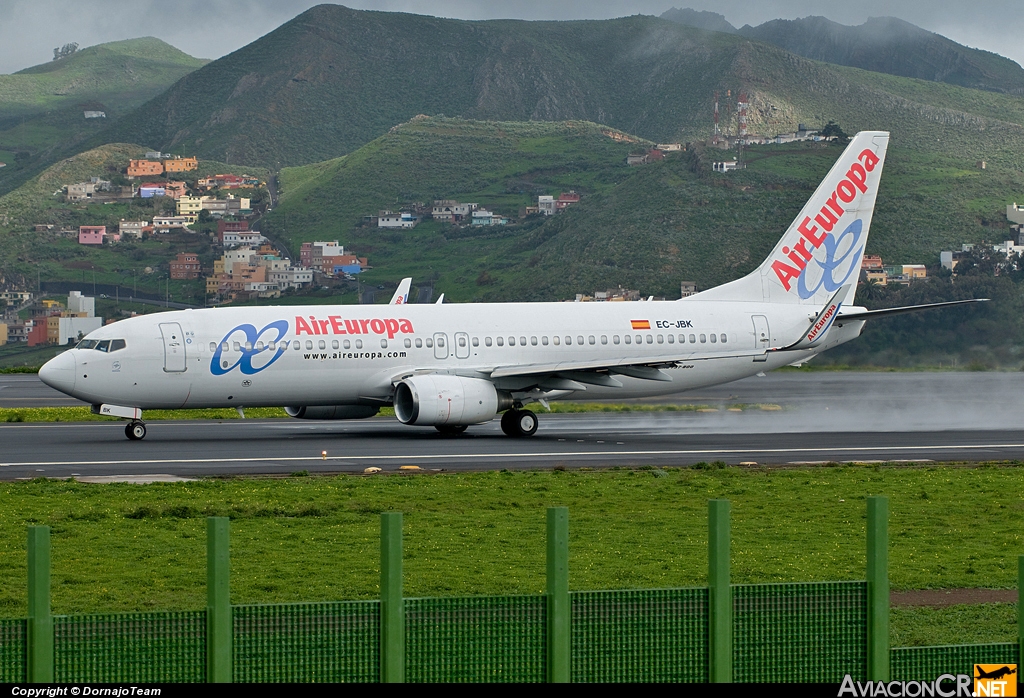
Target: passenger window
714	339
703	339
213	347
104	345
383	344
430	343
419	343
693	338
592	340
259	346
725	338
462	341
639	339
440	341
604	339
522	341
335	345
476	341
682	339
544	340
661	339
671	339
629	340
556	340
323	344
238	347
348	345
568	340
511	341
298	345
533	341
650	339
248	346
487	341
359	344
501	341
116	344
309	344
615	339
579	339
273	346
408	343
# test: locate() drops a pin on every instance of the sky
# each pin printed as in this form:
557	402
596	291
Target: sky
30	29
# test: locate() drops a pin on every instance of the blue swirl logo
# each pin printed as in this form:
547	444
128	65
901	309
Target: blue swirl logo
250	361
828	266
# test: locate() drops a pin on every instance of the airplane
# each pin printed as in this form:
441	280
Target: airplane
453	365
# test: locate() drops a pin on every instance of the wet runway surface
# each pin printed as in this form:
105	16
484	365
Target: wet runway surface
777	420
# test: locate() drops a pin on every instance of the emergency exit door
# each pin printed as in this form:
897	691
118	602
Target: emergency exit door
174	347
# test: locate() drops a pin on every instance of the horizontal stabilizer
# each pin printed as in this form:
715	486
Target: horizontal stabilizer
870	314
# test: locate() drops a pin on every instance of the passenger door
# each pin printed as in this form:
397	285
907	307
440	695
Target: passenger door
174	347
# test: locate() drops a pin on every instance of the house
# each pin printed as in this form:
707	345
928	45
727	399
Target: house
91	234
81	306
162	224
388	219
80	192
485	217
442	210
189	205
244	237
92	114
727	166
179	164
546	205
636	159
132	228
151	189
228	181
669	147
186	266
1015	213
145	168
566	199
292	277
687	289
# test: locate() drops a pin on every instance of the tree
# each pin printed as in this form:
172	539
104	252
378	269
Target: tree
65	51
832	130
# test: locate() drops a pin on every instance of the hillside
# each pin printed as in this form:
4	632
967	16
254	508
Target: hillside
41	108
881	44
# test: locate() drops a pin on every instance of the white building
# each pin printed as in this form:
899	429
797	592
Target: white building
727	166
71	329
546	205
133	228
165	223
243	237
396	220
292	277
77	303
1014	213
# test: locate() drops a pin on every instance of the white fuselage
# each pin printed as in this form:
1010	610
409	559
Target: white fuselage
349	355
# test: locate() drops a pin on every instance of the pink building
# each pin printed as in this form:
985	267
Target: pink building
91	234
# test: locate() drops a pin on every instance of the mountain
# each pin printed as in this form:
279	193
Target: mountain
711	21
881	44
42	107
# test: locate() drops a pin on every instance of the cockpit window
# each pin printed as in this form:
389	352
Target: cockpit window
116	344
104	345
87	344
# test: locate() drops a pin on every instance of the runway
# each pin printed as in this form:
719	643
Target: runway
779	420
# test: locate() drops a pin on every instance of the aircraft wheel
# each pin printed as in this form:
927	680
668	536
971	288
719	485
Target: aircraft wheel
135	431
508	423
526	423
452	429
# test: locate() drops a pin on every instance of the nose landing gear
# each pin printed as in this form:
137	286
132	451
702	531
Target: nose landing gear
519	422
135	431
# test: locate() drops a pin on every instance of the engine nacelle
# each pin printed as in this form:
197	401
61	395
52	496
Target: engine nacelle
332	412
434	400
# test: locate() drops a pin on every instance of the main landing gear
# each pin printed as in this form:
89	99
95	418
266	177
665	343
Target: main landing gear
519	422
135	430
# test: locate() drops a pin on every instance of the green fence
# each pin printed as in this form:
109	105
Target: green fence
813	632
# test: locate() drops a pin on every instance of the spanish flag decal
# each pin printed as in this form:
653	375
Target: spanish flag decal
641	324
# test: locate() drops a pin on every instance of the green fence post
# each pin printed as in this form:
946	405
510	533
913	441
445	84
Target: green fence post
40	622
719	593
1020	609
218	601
559	655
392	605
878	588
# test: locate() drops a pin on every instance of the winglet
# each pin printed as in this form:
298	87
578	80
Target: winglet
401	296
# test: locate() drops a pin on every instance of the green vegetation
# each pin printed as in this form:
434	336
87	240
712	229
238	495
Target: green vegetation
83	414
41	108
121	547
955	625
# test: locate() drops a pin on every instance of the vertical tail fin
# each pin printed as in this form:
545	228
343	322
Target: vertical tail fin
823	248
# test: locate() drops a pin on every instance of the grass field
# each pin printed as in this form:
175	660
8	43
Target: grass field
124	547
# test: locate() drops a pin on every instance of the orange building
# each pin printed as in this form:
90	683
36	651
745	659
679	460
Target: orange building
180	164
174	190
186	266
144	168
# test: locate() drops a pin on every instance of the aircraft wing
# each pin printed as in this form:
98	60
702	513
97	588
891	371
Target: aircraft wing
633	366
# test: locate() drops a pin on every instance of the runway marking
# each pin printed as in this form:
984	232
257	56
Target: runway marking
537	454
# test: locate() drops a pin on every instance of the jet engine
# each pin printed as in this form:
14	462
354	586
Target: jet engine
435	400
332	412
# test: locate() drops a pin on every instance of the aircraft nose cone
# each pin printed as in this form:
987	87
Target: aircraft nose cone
59	372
